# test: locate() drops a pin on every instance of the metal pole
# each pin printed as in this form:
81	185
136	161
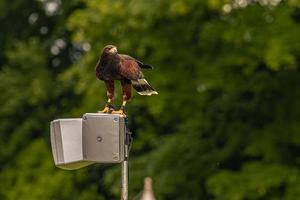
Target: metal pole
125	168
124	190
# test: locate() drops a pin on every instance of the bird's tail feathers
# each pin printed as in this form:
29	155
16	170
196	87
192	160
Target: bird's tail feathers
146	66
143	87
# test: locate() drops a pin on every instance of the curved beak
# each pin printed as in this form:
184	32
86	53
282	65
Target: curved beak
113	50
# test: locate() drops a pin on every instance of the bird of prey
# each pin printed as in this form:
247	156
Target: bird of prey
114	66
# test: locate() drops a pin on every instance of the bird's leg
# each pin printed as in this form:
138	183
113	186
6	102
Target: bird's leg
110	95
126	89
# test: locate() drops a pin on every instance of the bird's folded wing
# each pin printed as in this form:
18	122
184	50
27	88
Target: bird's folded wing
130	69
141	64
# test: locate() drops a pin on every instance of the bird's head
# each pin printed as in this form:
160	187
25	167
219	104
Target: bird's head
110	49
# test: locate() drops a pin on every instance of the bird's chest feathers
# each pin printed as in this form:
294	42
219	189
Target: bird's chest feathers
110	67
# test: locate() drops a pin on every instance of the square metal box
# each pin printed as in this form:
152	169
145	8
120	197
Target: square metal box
66	143
103	137
97	138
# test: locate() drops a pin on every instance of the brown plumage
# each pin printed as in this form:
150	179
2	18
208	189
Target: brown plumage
113	66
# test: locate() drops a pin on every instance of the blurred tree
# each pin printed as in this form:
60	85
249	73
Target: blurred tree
227	74
35	48
225	123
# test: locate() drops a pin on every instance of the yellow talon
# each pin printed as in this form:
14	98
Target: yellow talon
120	112
108	107
105	110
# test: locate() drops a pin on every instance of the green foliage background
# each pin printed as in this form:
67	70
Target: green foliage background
224	126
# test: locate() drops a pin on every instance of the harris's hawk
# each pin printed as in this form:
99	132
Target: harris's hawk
113	66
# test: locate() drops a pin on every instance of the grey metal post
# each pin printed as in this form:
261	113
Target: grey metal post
125	168
124	189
